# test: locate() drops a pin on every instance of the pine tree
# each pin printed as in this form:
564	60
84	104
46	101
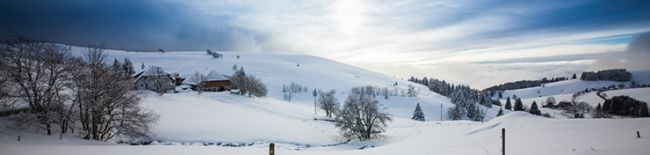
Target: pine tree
128	67
534	109
117	65
508	104
574	76
518	105
598	113
417	114
500	112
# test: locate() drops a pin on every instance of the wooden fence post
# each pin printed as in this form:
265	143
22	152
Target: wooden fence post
272	149
503	141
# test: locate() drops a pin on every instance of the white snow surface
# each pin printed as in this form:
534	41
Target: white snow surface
189	120
525	134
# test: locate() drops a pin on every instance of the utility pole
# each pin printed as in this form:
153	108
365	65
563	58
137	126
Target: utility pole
315	109
440	112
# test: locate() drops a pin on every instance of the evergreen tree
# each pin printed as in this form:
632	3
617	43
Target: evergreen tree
500	112
117	65
128	67
518	105
534	109
508	104
496	102
574	76
417	114
599	112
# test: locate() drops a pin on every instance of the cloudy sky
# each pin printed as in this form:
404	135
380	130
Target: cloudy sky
480	43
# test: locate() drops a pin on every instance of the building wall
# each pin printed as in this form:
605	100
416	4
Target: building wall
149	83
215	85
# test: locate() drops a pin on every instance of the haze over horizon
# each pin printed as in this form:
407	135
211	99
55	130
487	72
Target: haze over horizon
480	43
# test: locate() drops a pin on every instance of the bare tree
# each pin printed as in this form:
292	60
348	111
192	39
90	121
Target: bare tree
198	78
162	82
361	117
38	69
328	102
107	106
255	87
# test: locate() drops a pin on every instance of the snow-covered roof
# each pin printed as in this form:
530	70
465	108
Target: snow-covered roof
215	76
151	70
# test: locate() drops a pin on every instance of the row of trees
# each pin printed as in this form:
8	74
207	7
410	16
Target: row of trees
620	75
470	103
293	88
66	93
215	55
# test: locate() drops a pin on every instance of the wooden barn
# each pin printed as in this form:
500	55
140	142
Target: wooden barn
215	81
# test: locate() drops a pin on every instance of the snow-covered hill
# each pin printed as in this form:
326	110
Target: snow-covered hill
564	91
204	124
574	85
222	117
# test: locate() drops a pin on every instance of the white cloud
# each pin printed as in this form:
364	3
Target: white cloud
444	39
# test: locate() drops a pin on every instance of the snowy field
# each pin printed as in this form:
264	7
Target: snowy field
526	134
204	124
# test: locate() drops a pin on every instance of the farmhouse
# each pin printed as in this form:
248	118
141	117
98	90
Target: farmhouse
215	81
154	78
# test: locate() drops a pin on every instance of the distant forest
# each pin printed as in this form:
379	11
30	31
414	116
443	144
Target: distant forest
620	75
525	84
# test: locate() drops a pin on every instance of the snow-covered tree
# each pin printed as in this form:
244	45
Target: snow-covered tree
417	114
500	112
117	65
411	92
127	66
247	84
197	78
161	81
39	72
361	117
106	104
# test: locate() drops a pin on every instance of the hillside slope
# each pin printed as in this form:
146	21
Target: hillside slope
225	118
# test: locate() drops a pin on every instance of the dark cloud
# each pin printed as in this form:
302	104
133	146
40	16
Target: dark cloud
546	17
122	24
640	44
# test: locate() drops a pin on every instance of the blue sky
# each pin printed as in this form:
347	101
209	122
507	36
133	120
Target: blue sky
494	41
